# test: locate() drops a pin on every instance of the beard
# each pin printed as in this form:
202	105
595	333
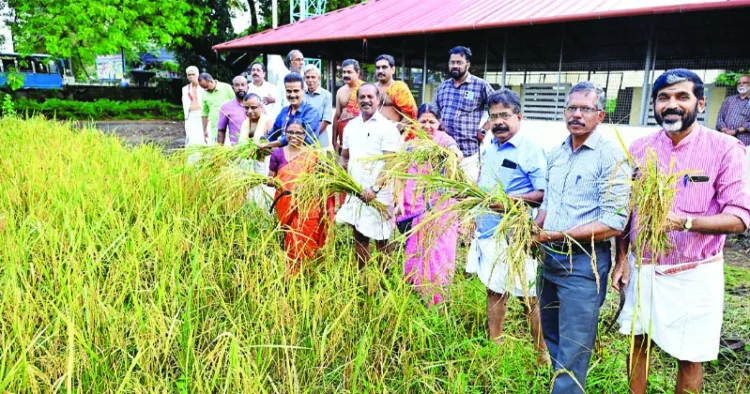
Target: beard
742	90
240	94
458	73
687	118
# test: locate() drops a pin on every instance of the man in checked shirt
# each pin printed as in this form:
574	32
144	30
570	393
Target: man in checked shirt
734	115
676	300
462	100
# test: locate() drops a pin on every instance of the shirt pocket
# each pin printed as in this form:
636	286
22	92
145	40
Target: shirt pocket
469	101
695	197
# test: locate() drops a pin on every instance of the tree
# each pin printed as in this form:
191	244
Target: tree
84	28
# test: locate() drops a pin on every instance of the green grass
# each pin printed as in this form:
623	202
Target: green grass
122	272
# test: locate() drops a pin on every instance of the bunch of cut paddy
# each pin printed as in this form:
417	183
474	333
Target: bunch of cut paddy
214	157
234	181
517	229
652	196
327	179
422	152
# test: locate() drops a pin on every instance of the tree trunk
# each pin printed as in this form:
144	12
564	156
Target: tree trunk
253	15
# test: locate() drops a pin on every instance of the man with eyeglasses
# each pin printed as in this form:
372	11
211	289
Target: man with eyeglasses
255	128
321	99
586	201
516	163
734	115
294	61
462	100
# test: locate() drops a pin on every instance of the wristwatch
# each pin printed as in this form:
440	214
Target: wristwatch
688	224
375	189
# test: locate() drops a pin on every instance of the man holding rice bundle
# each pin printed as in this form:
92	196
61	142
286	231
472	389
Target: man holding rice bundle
676	299
586	201
367	135
517	164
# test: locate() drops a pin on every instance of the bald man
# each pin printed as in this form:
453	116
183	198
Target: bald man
215	95
232	113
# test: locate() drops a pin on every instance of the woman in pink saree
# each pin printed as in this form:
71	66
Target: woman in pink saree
430	253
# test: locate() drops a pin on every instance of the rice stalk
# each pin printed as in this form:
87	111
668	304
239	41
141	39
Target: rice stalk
326	179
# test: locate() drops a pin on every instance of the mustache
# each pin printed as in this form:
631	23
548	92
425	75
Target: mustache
500	128
576	122
672	111
380	74
347	78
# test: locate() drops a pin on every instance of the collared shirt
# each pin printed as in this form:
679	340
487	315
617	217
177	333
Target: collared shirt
305	112
282	89
231	116
461	108
717	156
519	166
321	100
735	113
587	185
367	139
265	90
212	102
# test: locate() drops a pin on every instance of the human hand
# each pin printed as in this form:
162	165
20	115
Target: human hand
500	208
368	194
621	275
675	222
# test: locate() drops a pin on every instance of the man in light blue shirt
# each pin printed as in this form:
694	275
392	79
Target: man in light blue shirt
587	201
518	165
321	100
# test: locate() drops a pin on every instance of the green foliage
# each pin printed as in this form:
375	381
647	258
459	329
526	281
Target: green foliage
9	110
15	79
610	106
65	27
101	109
729	78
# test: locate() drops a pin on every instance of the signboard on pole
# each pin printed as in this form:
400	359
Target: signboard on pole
109	67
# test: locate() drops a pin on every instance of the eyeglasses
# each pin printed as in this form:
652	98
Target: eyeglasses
299	59
295	133
571	109
502	115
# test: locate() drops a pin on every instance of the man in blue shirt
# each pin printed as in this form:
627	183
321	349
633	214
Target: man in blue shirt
297	109
518	165
587	201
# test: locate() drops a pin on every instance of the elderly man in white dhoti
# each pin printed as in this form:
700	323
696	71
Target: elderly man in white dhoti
256	128
676	300
192	103
369	134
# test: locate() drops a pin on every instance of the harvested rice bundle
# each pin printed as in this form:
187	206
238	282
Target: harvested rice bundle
234	180
215	157
422	152
653	193
517	227
328	178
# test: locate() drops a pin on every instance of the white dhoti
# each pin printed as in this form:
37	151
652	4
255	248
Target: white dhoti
470	165
366	219
486	258
262	195
680	307
194	129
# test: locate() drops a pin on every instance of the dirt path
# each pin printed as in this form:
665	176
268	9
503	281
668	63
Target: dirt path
169	134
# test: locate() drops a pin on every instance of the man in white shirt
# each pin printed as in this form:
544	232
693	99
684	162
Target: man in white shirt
267	91
294	63
370	134
192	103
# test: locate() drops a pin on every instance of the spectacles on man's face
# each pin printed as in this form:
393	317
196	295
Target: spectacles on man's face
501	115
298	59
571	109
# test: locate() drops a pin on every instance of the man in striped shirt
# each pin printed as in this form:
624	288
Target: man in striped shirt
676	300
586	200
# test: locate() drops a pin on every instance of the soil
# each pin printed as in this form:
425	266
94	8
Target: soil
169	134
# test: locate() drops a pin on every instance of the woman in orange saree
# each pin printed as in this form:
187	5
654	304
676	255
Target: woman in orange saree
304	233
